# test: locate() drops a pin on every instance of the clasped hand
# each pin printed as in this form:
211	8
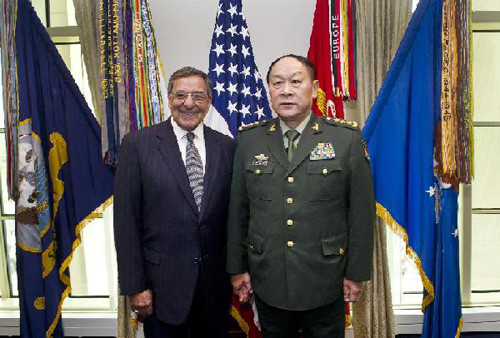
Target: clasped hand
242	286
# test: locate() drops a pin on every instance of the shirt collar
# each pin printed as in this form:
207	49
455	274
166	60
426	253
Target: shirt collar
180	133
300	128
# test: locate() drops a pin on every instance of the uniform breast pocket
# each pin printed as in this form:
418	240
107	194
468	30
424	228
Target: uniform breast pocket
324	180
259	180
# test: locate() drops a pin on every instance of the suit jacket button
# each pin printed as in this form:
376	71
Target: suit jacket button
197	260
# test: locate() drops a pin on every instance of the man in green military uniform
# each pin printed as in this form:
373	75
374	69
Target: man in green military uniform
301	214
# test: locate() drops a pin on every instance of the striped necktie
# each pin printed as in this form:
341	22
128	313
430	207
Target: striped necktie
194	168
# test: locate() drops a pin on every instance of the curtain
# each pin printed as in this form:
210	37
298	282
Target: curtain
380	27
126	326
87	19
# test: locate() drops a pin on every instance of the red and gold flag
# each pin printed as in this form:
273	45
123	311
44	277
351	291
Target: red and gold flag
244	315
332	51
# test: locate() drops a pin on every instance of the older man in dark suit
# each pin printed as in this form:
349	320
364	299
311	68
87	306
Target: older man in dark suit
171	200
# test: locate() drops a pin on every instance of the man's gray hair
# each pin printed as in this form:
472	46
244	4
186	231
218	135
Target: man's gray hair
186	72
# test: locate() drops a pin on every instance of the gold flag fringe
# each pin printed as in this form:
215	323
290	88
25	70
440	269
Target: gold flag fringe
321	102
241	322
401	232
65	265
459	328
347	321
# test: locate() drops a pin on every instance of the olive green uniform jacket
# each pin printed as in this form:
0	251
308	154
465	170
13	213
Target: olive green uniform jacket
299	228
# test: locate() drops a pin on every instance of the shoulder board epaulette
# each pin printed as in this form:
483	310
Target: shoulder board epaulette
341	123
252	125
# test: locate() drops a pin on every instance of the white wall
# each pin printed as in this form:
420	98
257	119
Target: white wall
184	28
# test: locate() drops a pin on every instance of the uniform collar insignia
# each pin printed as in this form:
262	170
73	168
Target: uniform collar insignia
273	127
315	126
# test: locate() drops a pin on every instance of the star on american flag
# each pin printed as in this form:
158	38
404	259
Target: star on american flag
239	95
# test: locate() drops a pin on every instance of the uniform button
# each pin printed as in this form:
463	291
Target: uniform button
325	171
289	244
289	222
290	179
341	251
257	171
289	200
250	246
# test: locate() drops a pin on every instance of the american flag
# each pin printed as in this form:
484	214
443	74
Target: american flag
239	96
238	92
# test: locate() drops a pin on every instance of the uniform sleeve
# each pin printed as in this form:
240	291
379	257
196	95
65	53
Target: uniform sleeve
238	217
361	213
127	213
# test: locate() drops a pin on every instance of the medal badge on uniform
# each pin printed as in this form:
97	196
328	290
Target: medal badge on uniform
260	160
322	151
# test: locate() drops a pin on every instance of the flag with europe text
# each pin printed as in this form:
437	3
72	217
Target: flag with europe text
62	183
404	133
238	98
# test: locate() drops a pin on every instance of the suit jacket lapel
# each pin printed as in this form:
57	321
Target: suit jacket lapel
211	167
169	150
275	143
307	142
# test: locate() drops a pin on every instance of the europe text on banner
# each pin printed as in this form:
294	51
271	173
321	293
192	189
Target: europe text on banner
238	93
238	97
403	134
63	184
332	50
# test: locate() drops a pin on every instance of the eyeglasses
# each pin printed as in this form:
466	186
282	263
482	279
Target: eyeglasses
197	97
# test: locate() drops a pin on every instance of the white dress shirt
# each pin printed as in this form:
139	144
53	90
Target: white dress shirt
199	142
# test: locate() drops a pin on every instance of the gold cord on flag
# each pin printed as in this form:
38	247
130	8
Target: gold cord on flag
456	147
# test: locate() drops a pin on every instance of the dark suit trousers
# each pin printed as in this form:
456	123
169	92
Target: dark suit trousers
323	322
198	324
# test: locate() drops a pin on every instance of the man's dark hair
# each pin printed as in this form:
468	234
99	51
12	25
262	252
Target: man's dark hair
186	72
306	62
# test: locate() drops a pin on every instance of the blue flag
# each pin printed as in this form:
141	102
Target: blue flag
238	91
400	135
443	317
62	182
